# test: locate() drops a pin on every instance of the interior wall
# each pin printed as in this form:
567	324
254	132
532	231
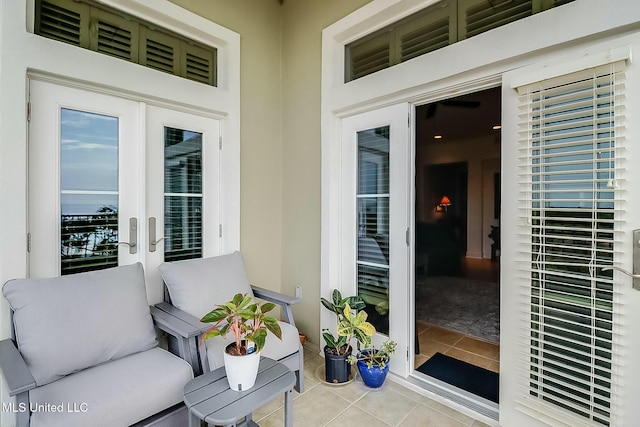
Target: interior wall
476	152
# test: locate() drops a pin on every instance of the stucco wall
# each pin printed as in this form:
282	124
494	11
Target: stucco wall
280	140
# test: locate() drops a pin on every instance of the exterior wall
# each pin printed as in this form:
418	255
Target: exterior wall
303	21
258	23
280	140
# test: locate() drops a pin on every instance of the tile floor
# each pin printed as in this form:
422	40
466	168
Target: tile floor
434	339
323	404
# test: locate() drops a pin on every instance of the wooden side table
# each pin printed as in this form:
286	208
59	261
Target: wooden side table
209	398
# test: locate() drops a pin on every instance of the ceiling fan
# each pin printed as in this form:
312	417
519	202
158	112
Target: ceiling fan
431	108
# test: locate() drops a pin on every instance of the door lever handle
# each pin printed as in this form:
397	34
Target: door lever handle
152	235
635	250
133	236
622	270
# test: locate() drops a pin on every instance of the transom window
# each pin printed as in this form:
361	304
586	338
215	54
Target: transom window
108	31
435	27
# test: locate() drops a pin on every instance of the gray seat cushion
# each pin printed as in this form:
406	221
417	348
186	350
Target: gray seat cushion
197	285
119	393
66	324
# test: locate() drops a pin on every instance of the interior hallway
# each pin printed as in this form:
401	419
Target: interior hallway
434	339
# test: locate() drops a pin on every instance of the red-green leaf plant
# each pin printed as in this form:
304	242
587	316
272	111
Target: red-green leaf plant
243	318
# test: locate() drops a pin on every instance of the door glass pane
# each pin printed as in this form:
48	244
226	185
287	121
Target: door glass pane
88	191
373	224
182	194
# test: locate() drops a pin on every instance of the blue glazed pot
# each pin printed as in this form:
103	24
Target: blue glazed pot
373	377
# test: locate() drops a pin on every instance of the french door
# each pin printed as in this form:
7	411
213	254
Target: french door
375	196
114	181
570	217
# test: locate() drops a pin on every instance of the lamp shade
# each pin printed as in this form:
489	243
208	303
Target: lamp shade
445	201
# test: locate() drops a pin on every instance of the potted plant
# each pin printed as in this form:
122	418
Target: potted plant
351	322
373	364
249	324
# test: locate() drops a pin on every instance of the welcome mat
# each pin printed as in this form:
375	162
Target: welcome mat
476	380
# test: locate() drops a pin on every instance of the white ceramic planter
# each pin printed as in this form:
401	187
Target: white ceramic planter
241	370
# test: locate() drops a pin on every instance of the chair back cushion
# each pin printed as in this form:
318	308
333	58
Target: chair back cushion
198	285
70	323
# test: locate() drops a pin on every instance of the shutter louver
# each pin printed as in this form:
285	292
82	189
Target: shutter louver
115	36
95	27
160	56
369	57
492	14
424	40
199	64
571	326
59	23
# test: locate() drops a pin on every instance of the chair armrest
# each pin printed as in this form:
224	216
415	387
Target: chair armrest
284	301
14	369
176	320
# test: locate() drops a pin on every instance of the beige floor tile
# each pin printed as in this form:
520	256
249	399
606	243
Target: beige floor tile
448	411
429	347
354	416
483	348
422	326
424	416
441	335
315	408
349	392
472	358
389	406
477	423
410	394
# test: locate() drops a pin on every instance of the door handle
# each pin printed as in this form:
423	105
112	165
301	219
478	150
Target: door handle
635	275
153	242
133	236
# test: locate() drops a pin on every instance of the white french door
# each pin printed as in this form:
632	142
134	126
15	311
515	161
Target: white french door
375	196
84	188
182	200
569	217
103	170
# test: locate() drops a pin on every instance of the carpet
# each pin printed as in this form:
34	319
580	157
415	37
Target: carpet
473	379
468	306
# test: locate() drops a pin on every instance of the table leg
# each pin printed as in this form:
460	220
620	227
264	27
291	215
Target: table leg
288	408
193	420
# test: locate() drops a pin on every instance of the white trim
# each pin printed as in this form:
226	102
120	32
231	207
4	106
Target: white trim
590	61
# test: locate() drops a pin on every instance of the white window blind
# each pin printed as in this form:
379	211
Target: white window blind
569	181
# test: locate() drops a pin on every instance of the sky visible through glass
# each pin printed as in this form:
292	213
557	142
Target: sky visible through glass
88	162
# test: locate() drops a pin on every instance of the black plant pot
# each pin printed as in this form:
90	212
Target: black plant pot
336	368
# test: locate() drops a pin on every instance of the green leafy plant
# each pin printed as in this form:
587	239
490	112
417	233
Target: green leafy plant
246	320
351	322
373	356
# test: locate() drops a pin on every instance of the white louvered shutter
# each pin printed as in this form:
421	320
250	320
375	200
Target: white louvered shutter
570	181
